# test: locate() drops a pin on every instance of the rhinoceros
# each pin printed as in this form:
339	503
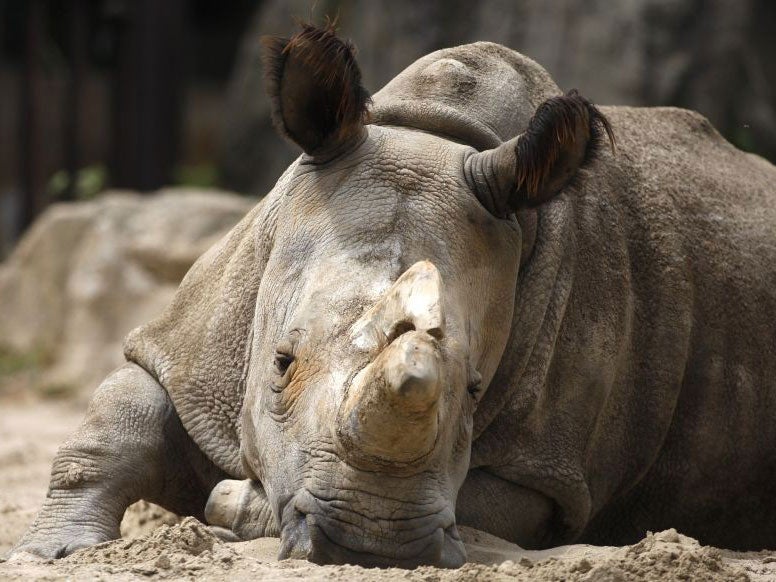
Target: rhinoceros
462	304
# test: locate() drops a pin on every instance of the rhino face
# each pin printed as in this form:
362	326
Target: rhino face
383	311
369	347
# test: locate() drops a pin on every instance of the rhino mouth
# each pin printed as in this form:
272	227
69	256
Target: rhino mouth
329	532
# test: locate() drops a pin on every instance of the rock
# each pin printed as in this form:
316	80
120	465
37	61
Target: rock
714	57
86	273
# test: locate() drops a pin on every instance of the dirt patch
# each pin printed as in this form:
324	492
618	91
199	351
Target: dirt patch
158	545
176	549
188	549
30	433
662	556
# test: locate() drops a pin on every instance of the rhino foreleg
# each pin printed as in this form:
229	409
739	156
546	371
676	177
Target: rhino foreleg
131	445
518	514
242	510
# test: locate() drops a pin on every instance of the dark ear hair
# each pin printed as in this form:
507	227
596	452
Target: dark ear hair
314	84
565	134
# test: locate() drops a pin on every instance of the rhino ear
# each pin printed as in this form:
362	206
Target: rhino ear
564	134
314	84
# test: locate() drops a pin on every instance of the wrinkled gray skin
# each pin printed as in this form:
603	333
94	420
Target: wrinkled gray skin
622	334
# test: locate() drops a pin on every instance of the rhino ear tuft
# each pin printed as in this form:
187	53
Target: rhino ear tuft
564	135
314	83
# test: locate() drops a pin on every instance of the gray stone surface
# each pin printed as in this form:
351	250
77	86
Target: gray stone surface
714	56
86	273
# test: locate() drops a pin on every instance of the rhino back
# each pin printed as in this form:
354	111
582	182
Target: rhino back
714	208
638	385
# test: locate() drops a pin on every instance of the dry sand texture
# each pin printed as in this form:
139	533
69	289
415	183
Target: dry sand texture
30	433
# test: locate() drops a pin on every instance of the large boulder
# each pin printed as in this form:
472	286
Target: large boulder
713	56
86	273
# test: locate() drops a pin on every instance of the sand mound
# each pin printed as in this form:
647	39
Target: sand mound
189	549
187	546
658	557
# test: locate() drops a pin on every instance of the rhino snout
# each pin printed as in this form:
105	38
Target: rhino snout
391	411
312	532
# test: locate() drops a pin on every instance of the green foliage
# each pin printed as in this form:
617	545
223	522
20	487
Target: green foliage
57	185
89	182
743	139
12	362
197	175
22	372
55	390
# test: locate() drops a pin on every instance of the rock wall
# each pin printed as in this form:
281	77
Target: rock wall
86	273
715	56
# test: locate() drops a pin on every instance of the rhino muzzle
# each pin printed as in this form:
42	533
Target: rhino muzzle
313	530
390	414
378	501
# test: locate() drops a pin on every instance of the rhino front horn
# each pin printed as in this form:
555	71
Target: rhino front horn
390	413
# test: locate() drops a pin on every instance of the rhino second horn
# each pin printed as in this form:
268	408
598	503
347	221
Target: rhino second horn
414	302
390	415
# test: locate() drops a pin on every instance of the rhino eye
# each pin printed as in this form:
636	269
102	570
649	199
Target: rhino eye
475	384
283	362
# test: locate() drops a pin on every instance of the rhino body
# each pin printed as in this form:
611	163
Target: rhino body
393	341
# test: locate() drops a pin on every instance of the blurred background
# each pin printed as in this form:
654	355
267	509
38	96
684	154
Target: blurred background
139	94
105	101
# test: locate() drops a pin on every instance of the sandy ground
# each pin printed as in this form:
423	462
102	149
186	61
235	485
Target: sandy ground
176	550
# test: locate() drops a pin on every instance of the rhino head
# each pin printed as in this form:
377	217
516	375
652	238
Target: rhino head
384	308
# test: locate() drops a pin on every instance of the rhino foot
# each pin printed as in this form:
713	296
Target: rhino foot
242	509
49	546
60	547
131	445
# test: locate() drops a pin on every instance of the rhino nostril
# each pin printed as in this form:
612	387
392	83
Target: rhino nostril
407	326
435	332
400	329
295	541
413	303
